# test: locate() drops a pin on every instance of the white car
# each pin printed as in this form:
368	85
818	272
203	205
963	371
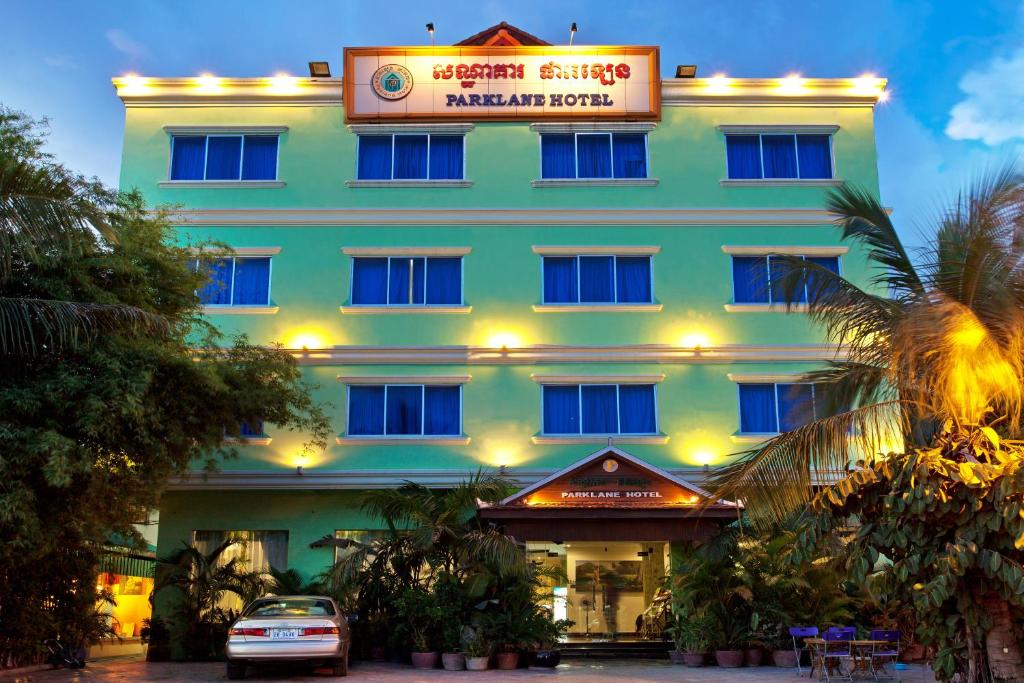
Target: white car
289	628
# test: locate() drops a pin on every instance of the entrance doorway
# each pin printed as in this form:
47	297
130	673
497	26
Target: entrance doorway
610	590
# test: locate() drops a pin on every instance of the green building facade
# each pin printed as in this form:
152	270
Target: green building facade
671	185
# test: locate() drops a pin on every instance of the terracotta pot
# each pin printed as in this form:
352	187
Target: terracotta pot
378	653
786	658
453	661
753	656
913	653
694	658
507	660
477	663
729	659
676	656
424	660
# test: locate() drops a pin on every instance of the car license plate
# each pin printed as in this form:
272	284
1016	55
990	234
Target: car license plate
284	633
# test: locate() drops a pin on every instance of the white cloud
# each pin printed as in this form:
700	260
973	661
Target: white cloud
993	110
122	43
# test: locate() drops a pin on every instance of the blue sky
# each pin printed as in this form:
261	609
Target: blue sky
956	68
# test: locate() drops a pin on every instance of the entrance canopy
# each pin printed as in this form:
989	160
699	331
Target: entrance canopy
611	495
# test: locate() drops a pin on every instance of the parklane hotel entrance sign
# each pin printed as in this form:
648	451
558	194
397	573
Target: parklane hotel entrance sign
502	83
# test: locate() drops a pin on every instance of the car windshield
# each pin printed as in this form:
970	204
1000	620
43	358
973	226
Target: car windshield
290	607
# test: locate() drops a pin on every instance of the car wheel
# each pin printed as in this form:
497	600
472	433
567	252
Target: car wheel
236	671
340	667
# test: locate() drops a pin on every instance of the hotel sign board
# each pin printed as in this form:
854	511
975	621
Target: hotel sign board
502	83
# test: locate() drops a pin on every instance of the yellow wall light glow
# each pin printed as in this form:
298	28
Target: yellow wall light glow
504	340
133	84
304	340
209	84
793	84
694	340
283	84
719	84
703	456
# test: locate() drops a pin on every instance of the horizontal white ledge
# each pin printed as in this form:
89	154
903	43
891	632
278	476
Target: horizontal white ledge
248	440
222	184
594	127
765	308
780	182
406	251
238	251
403	440
543	354
653	439
598	379
597	308
240	310
429	380
409	183
752	438
764	250
595	249
764	378
594	182
503	218
392	128
403	310
779	128
217	129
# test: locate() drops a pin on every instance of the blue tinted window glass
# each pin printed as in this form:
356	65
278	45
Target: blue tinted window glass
779	156
446	157
444	281
369	281
259	158
780	268
374	157
558	156
561	409
218	290
441	411
743	156
600	409
365	411
637	409
750	279
560	282
630	152
757	409
223	157
597	278
407	281
815	155
188	157
410	157
252	282
796	406
633	279
594	156
404	410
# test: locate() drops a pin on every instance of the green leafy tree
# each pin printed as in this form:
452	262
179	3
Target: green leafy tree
933	375
110	381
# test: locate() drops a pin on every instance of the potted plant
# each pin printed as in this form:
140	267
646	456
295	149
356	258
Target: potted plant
546	634
450	601
689	634
422	617
477	647
732	633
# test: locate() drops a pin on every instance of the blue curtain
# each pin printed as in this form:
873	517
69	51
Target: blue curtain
369	281
796	405
374	157
399	278
410	157
633	279
560	280
600	411
252	282
630	155
259	162
446	157
750	279
365	411
636	409
188	157
779	269
828	262
757	408
558	156
404	409
596	279
561	409
594	156
743	156
779	156
815	153
247	428
444	281
223	157
441	410
218	290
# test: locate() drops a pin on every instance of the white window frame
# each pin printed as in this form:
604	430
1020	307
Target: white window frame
796	151
231	287
775	398
428	135
611	152
423	412
615	281
426	270
618	415
241	156
768	266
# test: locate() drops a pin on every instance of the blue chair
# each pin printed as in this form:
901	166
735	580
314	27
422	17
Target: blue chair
885	650
852	630
798	633
834	652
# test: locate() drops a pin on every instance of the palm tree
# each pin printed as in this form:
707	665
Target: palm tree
931	357
47	211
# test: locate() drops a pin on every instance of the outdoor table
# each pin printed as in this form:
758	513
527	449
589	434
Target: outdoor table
859	649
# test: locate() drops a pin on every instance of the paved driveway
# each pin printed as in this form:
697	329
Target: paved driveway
575	671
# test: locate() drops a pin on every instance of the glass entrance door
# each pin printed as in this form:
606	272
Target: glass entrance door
610	590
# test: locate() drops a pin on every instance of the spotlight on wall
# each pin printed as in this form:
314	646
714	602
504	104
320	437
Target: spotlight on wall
319	70
572	33
430	30
686	71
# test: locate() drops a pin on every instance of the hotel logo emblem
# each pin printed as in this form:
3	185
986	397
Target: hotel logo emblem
392	82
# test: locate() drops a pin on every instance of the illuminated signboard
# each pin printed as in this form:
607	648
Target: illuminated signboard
502	83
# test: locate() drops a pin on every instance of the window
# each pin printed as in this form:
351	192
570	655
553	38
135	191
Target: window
404	410
597	279
771	408
599	409
758	279
358	537
255	550
405	281
224	157
254	429
410	156
807	157
236	281
593	155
